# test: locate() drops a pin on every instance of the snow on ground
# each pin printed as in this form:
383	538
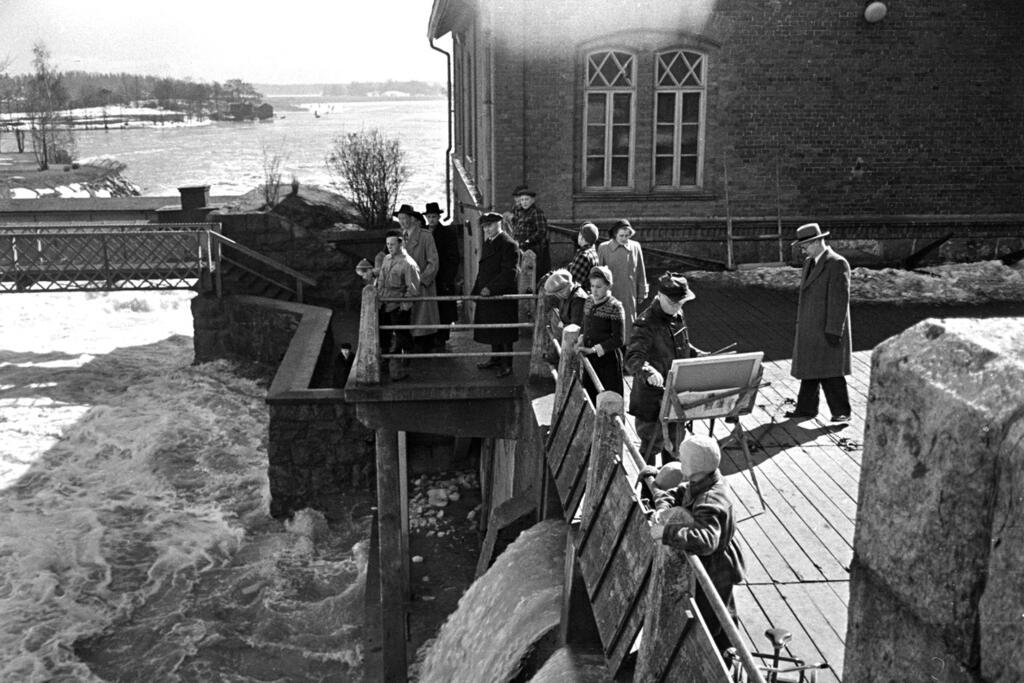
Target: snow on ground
955	283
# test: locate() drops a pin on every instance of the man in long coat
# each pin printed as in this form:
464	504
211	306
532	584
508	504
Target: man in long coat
823	346
447	242
419	243
496	275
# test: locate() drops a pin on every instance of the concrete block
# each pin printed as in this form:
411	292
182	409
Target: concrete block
945	398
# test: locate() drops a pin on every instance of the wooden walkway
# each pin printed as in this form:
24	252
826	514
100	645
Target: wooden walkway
798	550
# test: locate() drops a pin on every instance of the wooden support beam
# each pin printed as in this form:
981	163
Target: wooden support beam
605	452
403	485
392	574
486	477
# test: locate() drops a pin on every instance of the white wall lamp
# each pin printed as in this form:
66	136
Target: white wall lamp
874	12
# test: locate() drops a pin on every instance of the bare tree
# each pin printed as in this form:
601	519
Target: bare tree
47	96
6	88
272	161
371	167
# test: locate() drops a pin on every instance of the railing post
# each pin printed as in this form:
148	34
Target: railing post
605	453
568	364
668	613
538	367
367	361
527	281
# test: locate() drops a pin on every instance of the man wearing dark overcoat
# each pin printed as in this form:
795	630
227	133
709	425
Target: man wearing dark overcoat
659	337
496	275
447	242
823	345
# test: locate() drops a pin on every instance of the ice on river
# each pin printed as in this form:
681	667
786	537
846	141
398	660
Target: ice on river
135	542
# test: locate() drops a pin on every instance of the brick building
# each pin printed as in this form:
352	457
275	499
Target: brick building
699	118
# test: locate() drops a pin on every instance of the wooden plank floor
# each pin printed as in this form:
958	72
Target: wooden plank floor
799	548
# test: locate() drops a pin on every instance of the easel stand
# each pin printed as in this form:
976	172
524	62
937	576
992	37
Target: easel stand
727	404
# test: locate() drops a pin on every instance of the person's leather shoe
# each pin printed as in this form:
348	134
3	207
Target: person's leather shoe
840	418
487	364
792	414
504	372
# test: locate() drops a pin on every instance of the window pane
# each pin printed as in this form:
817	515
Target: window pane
688	171
663	171
595	172
691	107
666	107
595	140
688	140
695	64
620	140
595	107
664	140
622	108
620	172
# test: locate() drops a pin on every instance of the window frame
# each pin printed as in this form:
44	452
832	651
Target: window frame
609	92
679	91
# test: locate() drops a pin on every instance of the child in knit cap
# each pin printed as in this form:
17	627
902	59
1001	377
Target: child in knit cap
693	488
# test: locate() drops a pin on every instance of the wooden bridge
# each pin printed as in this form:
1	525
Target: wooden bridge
555	453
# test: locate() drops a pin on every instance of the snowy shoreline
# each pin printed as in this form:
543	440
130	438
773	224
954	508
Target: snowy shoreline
954	283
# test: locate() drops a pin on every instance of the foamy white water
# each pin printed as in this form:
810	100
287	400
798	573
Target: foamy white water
135	542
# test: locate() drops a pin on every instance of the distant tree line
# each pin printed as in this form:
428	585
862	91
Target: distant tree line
366	88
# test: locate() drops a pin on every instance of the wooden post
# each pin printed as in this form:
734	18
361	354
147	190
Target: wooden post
668	613
367	361
389	526
486	481
568	365
605	452
403	485
527	282
538	367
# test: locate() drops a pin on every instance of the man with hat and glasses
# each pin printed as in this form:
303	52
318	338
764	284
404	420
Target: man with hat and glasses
659	337
823	347
420	245
447	242
529	226
496	275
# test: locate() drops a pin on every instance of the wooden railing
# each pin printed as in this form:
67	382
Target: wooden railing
219	243
369	354
632	581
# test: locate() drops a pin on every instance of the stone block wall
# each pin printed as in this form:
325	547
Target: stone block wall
317	451
241	327
937	583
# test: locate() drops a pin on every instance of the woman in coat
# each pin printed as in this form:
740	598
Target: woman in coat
625	259
419	243
496	275
602	342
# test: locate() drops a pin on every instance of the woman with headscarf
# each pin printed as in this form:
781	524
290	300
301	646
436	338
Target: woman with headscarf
602	340
625	259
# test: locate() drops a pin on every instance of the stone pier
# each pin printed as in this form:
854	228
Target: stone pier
937	581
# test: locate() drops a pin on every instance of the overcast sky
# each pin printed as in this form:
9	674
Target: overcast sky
289	41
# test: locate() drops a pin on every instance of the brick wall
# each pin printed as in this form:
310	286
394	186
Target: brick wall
919	114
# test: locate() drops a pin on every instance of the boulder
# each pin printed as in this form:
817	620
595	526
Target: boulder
936	543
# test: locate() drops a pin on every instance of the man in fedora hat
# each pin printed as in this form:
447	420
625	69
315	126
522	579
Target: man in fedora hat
822	348
659	337
447	242
496	275
529	226
420	245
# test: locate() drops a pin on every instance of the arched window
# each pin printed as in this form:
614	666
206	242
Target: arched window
608	143
680	89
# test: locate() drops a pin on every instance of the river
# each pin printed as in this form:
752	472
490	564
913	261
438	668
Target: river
135	540
228	156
